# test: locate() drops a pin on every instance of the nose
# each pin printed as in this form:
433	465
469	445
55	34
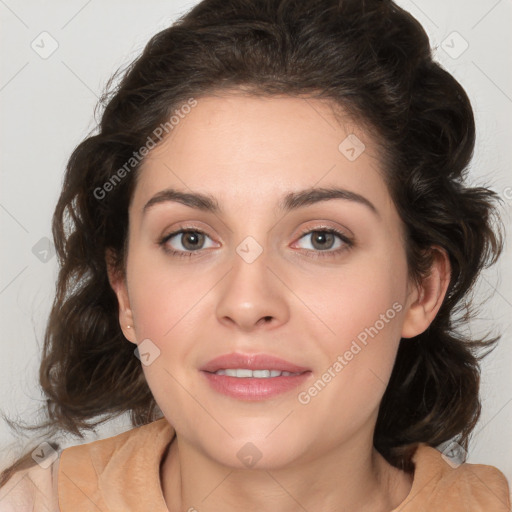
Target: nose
253	296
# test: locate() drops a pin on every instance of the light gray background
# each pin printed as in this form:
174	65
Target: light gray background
47	109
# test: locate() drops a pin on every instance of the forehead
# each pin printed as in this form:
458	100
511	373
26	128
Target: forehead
247	150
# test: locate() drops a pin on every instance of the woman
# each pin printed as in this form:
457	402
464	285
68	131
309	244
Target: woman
263	254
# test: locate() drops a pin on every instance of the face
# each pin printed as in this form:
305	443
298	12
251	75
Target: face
321	283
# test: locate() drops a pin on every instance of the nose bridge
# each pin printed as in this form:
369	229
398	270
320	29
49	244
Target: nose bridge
251	293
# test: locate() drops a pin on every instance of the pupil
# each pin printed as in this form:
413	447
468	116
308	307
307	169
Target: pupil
191	240
320	236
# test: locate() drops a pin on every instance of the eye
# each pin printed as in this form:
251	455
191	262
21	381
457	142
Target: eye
326	240
184	242
187	242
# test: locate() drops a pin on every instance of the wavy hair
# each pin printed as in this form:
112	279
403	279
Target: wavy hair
371	59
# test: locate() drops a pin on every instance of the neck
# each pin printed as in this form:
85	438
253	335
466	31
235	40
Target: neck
347	479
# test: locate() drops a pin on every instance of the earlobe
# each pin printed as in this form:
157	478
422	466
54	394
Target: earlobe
426	297
118	284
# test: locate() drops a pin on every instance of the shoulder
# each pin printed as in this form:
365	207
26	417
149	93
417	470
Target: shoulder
112	472
102	450
446	485
38	489
31	490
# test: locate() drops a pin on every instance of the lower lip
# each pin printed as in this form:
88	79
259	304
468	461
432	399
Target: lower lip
251	388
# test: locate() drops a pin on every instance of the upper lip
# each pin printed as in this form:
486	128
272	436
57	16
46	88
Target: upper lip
251	362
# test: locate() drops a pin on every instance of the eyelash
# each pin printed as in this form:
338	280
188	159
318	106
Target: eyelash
347	242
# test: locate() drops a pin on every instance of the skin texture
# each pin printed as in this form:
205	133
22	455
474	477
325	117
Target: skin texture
249	152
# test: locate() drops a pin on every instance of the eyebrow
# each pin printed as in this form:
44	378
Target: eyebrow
291	201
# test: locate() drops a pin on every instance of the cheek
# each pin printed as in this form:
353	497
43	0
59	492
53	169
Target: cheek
363	310
365	297
166	304
163	299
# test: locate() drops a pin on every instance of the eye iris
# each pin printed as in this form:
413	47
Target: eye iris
322	237
196	239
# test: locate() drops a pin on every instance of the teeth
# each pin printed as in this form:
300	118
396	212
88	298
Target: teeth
258	374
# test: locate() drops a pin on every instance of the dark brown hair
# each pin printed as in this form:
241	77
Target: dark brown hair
368	57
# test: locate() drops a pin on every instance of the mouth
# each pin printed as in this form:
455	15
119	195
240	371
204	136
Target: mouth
253	377
242	364
246	373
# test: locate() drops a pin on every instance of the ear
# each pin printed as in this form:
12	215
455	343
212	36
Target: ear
426	297
118	283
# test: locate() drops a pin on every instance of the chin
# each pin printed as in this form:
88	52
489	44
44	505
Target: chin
255	452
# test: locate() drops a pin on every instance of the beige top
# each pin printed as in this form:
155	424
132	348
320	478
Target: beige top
122	474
